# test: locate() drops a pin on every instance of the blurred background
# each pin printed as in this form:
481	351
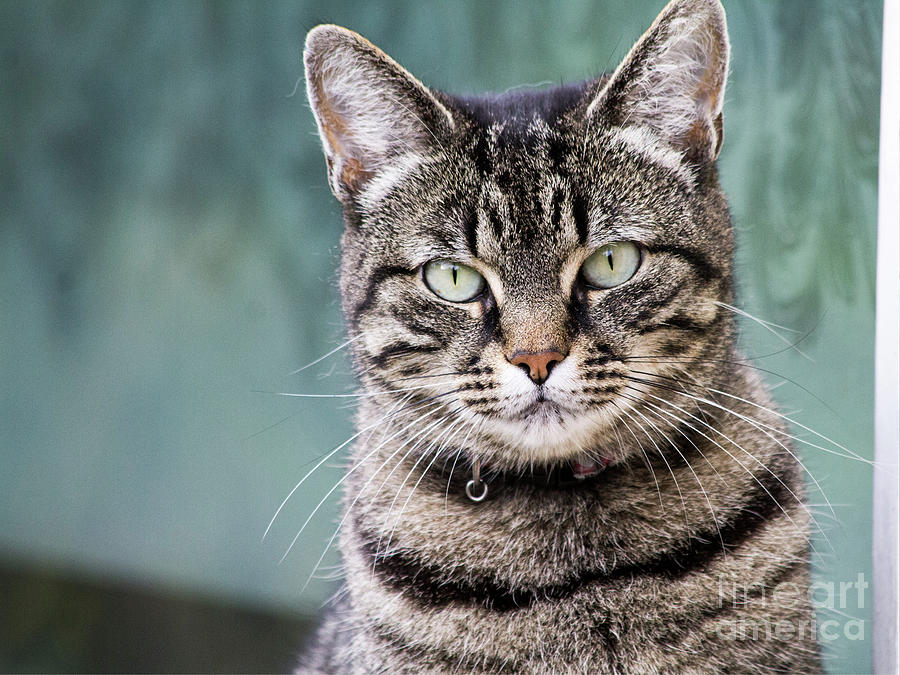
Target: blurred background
168	247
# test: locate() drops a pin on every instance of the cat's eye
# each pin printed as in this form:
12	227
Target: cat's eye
452	281
611	264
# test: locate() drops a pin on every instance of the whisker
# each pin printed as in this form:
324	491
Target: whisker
325	356
422	456
437	453
361	491
741	464
667	361
687	438
383	527
711	440
765	324
368	394
850	455
762	322
324	459
666	461
347	475
418	434
422	377
641	448
691	468
663	359
328	455
761	426
268	428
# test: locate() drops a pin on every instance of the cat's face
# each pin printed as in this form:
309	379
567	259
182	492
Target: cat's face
531	261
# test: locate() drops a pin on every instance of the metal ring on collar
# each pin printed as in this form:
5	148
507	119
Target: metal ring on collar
475	482
470	490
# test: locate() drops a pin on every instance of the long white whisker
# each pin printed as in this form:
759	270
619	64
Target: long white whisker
646	457
325	356
761	321
765	324
359	493
437	453
420	435
761	426
741	464
691	468
320	463
735	362
368	394
418	461
666	461
343	478
691	441
850	455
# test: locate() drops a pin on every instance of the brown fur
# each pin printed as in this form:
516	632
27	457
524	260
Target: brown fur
634	569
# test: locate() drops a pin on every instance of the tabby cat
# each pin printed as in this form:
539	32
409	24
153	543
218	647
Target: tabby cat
563	464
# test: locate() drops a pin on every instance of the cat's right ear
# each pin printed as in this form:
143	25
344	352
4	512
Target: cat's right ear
372	114
672	82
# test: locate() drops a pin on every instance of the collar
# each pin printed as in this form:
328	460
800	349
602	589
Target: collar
561	476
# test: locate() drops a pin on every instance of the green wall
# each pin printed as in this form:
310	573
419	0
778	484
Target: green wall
168	247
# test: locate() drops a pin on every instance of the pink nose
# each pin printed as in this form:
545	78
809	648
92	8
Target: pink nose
537	364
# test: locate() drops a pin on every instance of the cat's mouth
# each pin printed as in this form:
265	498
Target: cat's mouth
544	404
544	431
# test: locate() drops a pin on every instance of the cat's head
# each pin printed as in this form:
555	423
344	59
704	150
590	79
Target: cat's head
542	263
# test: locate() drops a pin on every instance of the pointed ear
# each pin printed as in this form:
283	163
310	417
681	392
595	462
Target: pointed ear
370	111
673	80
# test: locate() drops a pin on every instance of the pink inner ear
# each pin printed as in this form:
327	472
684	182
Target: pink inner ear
351	171
368	108
673	80
698	144
353	174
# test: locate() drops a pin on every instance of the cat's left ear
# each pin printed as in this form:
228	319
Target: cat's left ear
372	114
673	80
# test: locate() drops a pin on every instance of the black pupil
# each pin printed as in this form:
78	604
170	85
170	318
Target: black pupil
609	258
455	271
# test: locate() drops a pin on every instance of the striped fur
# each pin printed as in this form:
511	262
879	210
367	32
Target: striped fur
667	560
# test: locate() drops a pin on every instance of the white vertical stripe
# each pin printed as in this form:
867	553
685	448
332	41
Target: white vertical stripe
887	362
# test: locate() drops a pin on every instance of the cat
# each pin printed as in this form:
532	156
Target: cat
562	463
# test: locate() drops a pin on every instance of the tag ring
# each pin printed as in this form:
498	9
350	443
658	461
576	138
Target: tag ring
475	483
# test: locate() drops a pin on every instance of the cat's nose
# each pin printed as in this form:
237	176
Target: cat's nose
537	364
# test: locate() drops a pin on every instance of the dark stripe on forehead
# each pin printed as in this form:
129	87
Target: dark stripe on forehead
496	221
580	215
556	210
470	230
431	585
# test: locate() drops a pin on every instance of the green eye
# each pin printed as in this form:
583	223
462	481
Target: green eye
452	281
612	264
